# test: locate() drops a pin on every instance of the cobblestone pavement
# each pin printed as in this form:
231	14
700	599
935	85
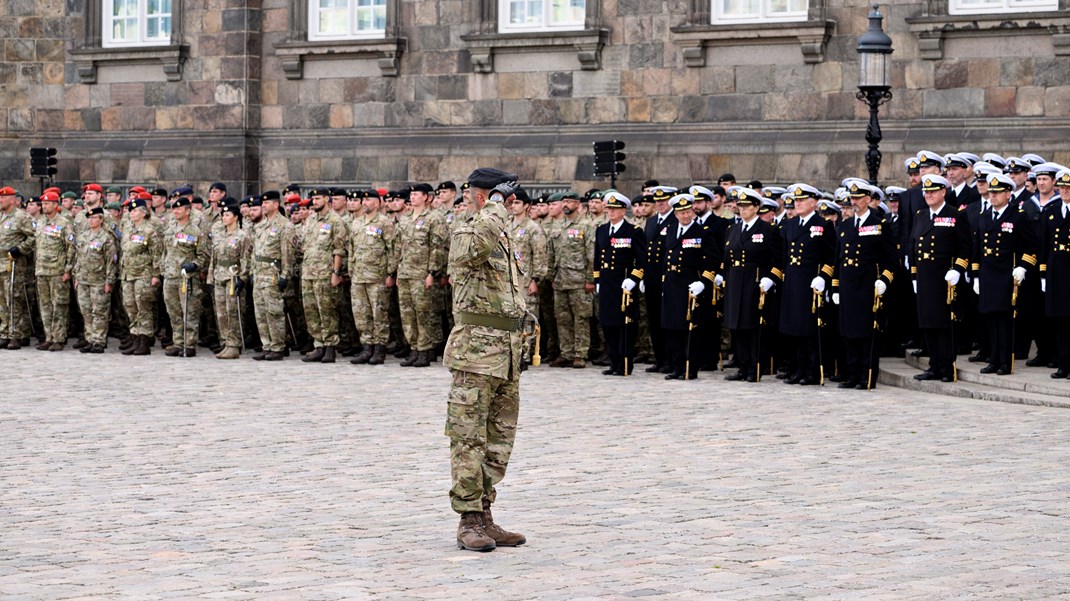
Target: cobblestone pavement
154	478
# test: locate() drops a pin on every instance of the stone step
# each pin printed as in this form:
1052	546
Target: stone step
1025	379
898	373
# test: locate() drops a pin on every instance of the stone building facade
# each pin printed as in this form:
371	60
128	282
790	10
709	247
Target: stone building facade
239	94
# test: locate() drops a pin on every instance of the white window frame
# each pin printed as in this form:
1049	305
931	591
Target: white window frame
959	7
314	34
718	17
504	26
107	28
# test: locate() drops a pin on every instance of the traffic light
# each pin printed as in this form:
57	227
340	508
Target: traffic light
608	160
42	162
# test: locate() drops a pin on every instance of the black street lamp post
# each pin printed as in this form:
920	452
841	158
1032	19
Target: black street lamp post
874	59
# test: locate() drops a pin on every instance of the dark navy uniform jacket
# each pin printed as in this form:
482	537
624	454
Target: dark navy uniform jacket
749	257
810	251
617	257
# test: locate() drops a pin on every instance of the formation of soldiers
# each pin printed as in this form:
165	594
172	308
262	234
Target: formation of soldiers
971	255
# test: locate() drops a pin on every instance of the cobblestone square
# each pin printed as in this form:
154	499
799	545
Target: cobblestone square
155	478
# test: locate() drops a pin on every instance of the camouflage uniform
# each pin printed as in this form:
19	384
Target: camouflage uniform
184	244
272	258
420	250
483	354
140	260
322	239
16	231
529	241
371	243
96	265
54	253
230	259
572	267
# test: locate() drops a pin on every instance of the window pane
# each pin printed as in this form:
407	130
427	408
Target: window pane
152	7
741	7
165	27
333	16
152	28
565	12
380	17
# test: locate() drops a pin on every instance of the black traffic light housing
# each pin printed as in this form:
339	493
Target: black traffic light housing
42	162
608	160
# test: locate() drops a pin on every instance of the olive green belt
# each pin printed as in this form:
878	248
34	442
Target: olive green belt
497	322
263	259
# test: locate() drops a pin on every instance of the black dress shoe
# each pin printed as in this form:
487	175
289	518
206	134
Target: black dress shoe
1037	361
1062	373
927	375
610	372
653	369
947	379
919	353
736	377
834	378
978	358
807	382
848	384
991	368
752	378
733	364
1003	371
793	379
666	370
674	376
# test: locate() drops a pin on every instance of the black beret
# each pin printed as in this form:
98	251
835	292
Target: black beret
181	201
218	186
447	185
488	177
94	211
139	204
230	207
271	195
425	188
522	195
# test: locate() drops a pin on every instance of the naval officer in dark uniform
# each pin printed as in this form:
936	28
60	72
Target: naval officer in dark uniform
1055	271
619	264
656	230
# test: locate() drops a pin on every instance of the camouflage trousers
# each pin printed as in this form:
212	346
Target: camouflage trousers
371	306
13	314
438	310
481	421
573	312
96	309
533	307
269	307
417	308
54	299
227	316
173	298
321	301
139	300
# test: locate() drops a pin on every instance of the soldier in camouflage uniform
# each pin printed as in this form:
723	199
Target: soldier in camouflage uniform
419	262
371	242
96	269
573	280
271	264
483	355
140	269
323	242
185	264
54	262
529	241
17	239
228	270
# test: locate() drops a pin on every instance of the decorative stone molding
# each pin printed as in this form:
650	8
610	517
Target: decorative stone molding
170	58
931	31
812	36
588	44
386	52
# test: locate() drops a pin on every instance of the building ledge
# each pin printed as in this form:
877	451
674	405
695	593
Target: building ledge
588	44
387	53
932	31
812	37
170	58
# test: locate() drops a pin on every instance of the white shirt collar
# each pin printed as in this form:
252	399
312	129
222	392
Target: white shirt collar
862	216
933	212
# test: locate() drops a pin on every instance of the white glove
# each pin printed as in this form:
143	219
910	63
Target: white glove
597	287
642	286
952	277
718	280
818	284
915	286
880	287
1019	274
1043	285
696	288
835	298
906	262
977	285
765	284
627	285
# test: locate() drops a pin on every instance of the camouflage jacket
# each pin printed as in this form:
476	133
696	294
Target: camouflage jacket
486	282
371	242
322	239
572	247
420	247
54	251
272	250
529	241
97	259
16	230
230	255
141	251
184	244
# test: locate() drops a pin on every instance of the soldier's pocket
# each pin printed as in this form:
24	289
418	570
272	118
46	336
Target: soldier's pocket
462	413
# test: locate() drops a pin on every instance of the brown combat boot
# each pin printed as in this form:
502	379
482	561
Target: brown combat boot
127	342
502	538
470	533
378	355
364	356
315	355
579	363
423	359
328	355
142	347
560	362
230	352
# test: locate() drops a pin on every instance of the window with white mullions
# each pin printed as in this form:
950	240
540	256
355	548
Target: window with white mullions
346	19
541	15
136	23
978	7
758	11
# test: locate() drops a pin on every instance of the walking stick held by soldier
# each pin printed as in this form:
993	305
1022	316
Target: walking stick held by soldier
1014	319
29	311
761	321
536	331
233	285
692	303
952	294
185	307
717	315
11	297
625	302
877	304
819	301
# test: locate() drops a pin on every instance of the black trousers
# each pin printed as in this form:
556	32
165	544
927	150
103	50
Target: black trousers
859	366
941	350
620	344
657	333
804	356
999	344
746	343
1060	327
679	350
